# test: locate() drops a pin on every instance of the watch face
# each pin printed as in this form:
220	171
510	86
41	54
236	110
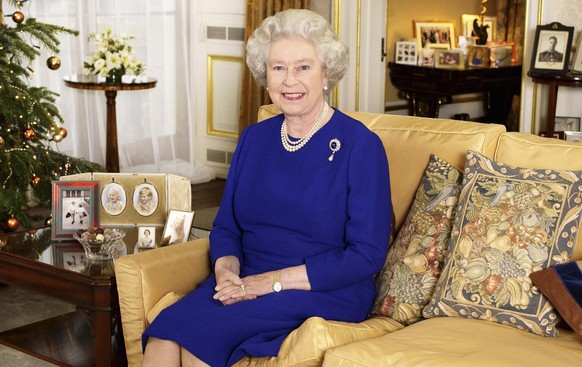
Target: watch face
277	287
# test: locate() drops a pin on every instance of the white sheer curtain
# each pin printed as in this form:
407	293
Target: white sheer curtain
156	129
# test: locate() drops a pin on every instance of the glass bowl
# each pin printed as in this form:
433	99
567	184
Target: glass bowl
99	246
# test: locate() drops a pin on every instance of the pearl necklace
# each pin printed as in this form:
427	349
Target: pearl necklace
293	146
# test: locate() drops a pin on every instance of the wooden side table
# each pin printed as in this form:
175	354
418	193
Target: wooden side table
91	335
90	82
427	88
553	82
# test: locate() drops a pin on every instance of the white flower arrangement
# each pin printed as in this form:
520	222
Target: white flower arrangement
113	56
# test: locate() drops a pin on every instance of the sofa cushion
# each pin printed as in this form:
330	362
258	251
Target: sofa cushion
510	222
562	285
528	150
306	345
414	261
456	342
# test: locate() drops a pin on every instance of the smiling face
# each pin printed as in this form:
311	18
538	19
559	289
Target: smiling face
295	78
113	196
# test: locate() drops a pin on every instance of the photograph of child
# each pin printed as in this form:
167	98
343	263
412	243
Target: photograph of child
113	198
178	225
145	199
75	204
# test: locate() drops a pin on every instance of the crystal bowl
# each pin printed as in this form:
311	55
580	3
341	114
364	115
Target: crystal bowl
99	243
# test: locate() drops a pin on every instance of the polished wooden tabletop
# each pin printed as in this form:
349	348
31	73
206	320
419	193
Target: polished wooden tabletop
93	82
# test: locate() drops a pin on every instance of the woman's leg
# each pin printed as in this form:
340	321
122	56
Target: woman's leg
160	352
190	360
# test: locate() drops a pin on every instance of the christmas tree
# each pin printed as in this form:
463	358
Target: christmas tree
29	118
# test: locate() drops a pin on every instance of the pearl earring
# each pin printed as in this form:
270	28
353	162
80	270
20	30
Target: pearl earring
325	87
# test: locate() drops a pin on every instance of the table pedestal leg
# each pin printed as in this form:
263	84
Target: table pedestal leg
112	152
551	117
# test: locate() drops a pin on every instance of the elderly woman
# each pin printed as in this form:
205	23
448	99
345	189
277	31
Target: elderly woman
305	218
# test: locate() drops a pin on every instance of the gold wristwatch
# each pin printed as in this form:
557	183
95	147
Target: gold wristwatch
277	286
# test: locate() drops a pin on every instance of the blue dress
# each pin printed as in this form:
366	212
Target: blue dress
282	209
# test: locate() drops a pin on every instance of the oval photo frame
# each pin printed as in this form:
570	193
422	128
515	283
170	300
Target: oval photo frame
145	199
113	199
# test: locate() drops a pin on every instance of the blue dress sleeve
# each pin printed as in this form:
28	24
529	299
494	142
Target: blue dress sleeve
225	237
369	218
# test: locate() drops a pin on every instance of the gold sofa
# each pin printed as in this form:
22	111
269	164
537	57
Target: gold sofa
147	282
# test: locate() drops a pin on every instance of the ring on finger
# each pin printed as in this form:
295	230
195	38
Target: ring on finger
242	287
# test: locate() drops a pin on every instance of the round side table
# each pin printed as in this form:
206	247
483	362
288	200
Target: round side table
91	82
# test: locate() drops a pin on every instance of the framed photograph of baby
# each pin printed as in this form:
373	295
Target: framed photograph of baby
177	227
75	206
552	47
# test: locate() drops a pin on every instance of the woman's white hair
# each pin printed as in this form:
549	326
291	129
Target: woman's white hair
333	54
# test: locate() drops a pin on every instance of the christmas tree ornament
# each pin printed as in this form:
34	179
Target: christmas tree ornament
1	142
18	17
63	132
48	221
12	223
29	134
57	138
53	62
35	180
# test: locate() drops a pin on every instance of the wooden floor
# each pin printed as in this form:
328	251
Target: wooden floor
207	195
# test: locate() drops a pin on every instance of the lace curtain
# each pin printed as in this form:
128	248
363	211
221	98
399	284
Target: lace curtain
156	130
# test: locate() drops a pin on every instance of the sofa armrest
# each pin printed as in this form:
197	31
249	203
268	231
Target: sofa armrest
144	278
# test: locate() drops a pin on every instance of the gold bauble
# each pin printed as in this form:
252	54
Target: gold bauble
57	138
1	142
35	180
53	63
29	134
12	223
18	17
63	132
48	221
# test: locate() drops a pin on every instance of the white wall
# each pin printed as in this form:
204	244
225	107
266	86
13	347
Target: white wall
225	81
534	105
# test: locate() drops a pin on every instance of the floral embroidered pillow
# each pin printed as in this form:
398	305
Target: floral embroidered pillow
510	222
415	259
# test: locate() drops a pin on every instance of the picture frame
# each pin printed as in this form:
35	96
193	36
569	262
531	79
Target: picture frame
75	206
406	53
449	59
145	199
478	56
577	61
113	198
70	256
427	57
552	46
567	123
435	34
575	136
488	21
146	238
178	226
501	55
557	134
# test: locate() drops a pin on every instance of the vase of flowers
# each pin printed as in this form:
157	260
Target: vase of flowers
113	57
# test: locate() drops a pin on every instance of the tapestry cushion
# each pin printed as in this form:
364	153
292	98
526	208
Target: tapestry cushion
510	222
562	285
415	259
